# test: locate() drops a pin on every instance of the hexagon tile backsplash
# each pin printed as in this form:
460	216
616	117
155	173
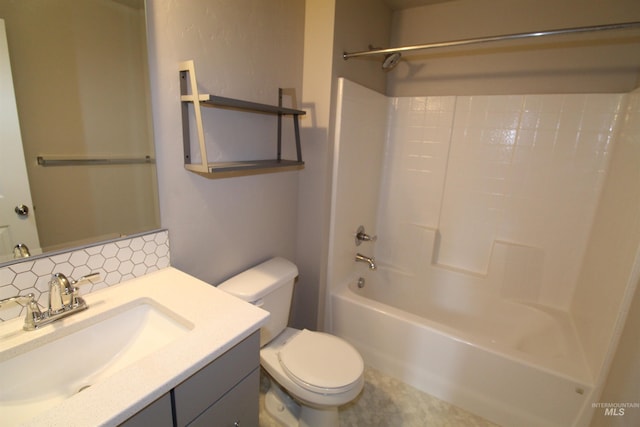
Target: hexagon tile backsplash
116	261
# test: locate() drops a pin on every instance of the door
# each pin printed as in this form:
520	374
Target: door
17	224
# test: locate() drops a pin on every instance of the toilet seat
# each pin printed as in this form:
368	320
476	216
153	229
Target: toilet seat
321	362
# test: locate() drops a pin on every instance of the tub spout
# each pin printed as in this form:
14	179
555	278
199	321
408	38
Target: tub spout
369	260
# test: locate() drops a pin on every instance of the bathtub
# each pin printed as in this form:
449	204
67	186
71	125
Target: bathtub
511	363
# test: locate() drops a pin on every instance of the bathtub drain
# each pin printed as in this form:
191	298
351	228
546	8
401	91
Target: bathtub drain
361	282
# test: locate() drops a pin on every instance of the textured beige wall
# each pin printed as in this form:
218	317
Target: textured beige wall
332	26
567	64
313	196
243	49
359	24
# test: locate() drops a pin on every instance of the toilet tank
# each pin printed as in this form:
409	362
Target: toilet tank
269	286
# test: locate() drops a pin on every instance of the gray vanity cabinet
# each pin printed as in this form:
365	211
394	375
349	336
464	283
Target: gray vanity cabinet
157	414
227	387
236	408
223	393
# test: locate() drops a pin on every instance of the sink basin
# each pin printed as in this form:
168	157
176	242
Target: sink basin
137	340
41	374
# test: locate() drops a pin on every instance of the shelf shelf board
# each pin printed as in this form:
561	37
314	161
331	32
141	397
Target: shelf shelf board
249	167
222	102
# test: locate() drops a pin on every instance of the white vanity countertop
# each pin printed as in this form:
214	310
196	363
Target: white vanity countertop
219	322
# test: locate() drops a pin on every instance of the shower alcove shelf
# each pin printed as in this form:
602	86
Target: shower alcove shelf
188	83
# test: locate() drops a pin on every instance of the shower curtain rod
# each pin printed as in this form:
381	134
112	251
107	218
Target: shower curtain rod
607	27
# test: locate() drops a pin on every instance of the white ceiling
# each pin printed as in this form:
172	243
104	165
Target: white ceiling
406	4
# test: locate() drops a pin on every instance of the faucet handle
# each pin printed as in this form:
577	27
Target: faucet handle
87	278
361	236
33	309
75	300
18	299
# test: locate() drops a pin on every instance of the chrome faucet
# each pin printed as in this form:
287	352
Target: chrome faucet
63	301
369	260
21	251
63	294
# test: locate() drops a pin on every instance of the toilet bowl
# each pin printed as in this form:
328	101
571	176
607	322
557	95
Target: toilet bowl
318	371
312	372
315	368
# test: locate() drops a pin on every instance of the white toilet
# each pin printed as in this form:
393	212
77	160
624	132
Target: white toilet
320	371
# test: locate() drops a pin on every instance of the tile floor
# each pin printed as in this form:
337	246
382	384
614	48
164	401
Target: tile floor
386	401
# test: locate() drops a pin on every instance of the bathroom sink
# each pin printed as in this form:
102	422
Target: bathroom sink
136	341
43	372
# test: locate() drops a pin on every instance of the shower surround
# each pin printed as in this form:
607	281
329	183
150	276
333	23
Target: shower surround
484	216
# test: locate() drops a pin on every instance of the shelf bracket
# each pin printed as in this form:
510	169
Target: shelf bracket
188	68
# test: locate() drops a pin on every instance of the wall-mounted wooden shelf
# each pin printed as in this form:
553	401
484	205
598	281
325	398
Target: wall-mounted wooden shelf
232	168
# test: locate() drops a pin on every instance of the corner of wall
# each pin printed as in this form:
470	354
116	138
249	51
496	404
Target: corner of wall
613	252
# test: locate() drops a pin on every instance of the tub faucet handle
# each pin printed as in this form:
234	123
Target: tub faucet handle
361	236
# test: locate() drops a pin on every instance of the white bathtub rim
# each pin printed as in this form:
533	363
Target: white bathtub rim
471	401
482	386
512	335
580	374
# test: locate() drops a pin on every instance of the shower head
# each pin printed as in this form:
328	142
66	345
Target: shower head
391	60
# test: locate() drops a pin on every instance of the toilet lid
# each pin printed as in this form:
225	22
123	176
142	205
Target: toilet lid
321	362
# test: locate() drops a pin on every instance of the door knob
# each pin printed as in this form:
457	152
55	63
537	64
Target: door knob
22	210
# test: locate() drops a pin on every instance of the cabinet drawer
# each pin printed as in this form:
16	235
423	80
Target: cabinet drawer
239	407
201	390
157	414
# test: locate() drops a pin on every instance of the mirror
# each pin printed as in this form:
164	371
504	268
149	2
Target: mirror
80	77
